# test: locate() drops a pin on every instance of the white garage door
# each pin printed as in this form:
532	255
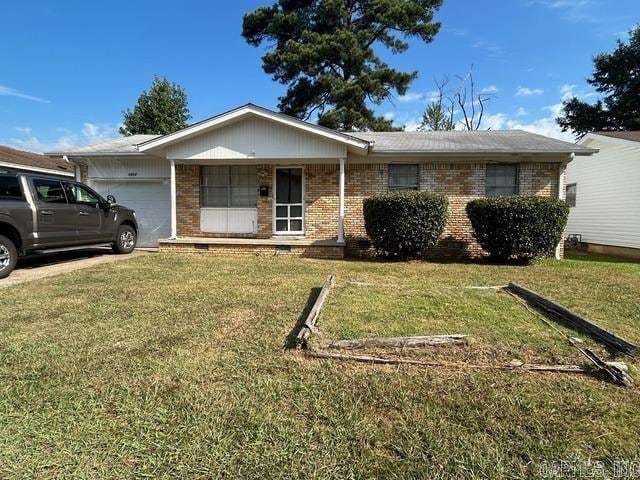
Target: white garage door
151	201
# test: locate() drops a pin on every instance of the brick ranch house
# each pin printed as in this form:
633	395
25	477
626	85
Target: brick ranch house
255	181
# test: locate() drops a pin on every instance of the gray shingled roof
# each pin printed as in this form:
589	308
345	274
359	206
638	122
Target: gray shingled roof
633	136
117	145
481	141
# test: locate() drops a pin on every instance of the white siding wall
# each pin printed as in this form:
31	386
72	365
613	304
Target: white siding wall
128	167
255	138
607	207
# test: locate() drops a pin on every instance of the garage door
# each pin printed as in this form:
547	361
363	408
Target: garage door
150	199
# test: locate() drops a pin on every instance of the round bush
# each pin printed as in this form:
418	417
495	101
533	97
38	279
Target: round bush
518	228
403	224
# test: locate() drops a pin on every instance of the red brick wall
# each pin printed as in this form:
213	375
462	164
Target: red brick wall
461	182
188	200
321	201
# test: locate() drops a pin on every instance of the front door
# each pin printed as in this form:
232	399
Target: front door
289	207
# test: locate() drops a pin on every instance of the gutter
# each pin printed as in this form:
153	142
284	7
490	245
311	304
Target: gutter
29	168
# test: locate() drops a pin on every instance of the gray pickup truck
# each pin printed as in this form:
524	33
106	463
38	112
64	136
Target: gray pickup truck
42	214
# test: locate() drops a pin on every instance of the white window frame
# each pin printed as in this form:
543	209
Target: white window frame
575	194
517	177
404	187
228	186
289	205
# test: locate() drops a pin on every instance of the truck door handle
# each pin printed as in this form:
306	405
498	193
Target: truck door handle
46	212
84	214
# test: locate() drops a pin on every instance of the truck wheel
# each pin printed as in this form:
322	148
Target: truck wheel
125	240
8	256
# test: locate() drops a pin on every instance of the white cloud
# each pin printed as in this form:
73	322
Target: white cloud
521	112
490	89
88	134
12	92
527	92
411	97
389	116
572	10
492	48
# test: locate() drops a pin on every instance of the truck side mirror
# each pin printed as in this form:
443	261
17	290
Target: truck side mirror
111	199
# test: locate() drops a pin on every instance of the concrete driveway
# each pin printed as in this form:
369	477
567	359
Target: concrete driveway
41	266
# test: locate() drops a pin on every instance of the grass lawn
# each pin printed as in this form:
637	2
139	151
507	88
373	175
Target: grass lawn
175	365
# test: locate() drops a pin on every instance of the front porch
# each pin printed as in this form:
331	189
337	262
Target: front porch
288	206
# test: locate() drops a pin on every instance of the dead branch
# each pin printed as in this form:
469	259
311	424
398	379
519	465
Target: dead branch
310	322
397	342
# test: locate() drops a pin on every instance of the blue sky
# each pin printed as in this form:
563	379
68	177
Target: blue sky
70	67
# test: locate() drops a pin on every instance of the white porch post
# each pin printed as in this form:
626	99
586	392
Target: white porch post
341	202
174	216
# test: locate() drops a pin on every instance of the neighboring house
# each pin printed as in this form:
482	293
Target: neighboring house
604	194
12	160
255	181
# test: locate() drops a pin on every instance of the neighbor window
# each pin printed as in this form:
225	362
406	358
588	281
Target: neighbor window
228	186
572	190
501	180
403	177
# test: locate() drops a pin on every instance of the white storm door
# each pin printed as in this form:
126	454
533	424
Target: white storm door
289	204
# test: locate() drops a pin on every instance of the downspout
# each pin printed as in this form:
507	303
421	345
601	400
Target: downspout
76	168
561	195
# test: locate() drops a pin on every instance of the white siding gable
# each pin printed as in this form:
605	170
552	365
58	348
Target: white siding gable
256	138
607	207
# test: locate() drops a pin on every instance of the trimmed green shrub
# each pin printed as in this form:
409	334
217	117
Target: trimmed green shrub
403	224
518	228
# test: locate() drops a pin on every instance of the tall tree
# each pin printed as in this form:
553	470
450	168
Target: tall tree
616	76
323	50
163	109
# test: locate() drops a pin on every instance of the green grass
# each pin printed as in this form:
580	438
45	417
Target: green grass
175	366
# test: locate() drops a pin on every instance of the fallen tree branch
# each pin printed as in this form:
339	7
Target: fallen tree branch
312	318
610	369
513	366
574	320
397	342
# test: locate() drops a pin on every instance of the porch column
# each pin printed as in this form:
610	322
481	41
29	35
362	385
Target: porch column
174	216
341	202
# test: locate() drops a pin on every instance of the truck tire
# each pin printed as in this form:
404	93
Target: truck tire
125	240
8	256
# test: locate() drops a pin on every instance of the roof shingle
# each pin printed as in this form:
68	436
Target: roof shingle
30	159
460	141
633	136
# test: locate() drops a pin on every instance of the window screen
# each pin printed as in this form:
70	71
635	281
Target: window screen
229	186
403	177
501	180
10	188
572	190
50	191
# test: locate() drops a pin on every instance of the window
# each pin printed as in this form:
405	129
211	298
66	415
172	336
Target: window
403	177
227	186
572	190
83	196
49	191
10	188
501	180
